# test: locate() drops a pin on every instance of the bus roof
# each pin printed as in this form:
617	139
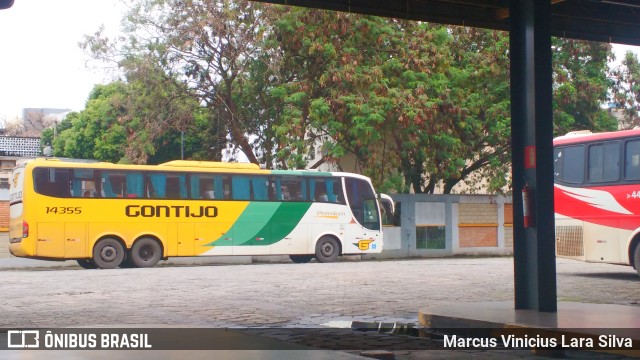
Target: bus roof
188	165
585	136
211	164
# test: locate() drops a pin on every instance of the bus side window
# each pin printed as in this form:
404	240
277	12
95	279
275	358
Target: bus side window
570	162
603	162
632	160
84	183
52	182
334	191
176	186
157	185
276	189
260	187
318	190
113	184
241	187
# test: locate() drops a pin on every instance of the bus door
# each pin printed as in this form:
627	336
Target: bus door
364	207
371	232
186	239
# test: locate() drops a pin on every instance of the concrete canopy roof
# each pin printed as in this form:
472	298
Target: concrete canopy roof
616	21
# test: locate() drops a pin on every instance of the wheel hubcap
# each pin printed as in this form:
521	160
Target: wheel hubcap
145	253
327	249
108	254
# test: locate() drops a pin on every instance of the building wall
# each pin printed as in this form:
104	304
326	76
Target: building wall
478	224
4	245
7	163
445	225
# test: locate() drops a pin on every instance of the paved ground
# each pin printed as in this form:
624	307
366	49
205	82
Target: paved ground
285	295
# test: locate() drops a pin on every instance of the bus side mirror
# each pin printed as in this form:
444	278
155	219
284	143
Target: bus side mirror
5	4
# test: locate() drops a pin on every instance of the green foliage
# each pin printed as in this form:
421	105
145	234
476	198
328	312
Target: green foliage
421	107
581	85
626	90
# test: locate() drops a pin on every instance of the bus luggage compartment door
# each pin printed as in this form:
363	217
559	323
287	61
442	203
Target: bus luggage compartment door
50	240
75	240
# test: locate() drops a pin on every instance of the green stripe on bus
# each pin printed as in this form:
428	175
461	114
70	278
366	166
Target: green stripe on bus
283	221
264	223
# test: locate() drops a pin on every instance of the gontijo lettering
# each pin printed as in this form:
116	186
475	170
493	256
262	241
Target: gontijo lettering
171	211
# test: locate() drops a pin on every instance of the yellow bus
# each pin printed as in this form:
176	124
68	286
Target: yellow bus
107	215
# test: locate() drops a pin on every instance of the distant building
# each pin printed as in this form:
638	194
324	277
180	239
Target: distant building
34	120
56	113
19	146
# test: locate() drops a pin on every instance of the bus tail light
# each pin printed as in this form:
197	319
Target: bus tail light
25	229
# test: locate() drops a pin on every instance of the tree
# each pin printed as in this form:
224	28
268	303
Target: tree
123	122
626	90
207	45
420	106
581	85
419	103
95	133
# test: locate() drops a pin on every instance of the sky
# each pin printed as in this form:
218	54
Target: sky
41	64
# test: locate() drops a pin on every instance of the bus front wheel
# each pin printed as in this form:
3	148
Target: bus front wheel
108	253
146	252
327	249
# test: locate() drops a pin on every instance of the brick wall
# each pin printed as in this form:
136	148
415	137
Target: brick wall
4	245
508	214
508	236
478	236
4	216
4	229
508	225
470	213
478	225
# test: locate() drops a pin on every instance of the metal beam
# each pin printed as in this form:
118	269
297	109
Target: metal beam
532	154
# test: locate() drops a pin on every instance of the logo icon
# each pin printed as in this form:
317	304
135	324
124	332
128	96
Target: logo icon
15	180
21	339
363	244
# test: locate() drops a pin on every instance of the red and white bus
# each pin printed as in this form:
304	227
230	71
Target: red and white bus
597	196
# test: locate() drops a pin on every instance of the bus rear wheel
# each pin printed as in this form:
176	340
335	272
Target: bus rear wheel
300	259
327	249
146	252
108	253
87	263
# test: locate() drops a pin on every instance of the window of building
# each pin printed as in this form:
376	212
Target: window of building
430	237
